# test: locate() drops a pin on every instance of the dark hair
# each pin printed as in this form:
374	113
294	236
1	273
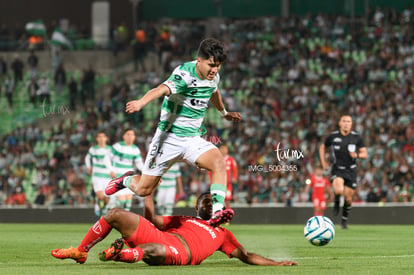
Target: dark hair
100	132
201	196
212	47
127	129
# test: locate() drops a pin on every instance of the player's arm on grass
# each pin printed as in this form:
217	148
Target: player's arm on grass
254	259
149	212
217	102
153	94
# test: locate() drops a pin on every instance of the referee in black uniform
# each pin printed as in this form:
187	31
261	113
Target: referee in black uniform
347	146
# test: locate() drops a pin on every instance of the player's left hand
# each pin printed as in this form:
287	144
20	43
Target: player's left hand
233	116
133	106
353	155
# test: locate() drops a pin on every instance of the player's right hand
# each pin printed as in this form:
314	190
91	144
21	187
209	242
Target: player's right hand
112	174
133	106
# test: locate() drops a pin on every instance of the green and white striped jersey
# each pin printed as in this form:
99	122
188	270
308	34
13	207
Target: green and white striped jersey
183	111
125	157
95	158
169	179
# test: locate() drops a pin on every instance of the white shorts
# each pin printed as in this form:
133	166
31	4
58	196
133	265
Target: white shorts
99	184
166	196
166	148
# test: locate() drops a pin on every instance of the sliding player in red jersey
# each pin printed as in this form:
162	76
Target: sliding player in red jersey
159	240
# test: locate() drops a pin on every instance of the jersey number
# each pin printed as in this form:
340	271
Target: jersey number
156	151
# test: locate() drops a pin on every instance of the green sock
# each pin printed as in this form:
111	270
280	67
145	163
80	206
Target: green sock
126	181
218	193
127	205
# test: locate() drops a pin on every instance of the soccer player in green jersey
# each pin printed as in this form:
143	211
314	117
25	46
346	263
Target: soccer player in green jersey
97	168
178	136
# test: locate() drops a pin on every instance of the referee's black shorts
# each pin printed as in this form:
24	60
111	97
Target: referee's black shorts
348	174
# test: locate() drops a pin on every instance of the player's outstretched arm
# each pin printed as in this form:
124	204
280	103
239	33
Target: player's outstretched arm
149	212
218	103
137	105
254	259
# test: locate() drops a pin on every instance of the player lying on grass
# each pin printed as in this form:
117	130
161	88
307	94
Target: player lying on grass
162	240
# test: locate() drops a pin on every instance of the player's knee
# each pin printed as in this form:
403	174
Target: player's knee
113	215
339	191
348	200
143	191
218	164
154	254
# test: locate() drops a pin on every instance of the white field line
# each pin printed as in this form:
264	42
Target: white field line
349	257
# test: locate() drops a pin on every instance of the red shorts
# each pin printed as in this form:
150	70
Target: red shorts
320	203
148	233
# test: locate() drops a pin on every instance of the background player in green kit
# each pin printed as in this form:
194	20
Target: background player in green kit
99	170
186	93
171	184
125	156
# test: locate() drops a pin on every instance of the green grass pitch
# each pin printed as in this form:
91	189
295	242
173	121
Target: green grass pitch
362	249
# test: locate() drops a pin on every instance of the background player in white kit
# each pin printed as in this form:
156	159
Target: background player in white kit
125	156
171	184
98	169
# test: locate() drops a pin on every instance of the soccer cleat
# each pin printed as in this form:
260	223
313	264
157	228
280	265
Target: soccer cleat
336	209
116	184
111	252
344	224
221	217
70	253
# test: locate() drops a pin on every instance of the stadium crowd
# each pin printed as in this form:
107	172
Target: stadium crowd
289	77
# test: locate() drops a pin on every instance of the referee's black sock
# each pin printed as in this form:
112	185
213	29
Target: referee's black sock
337	197
345	212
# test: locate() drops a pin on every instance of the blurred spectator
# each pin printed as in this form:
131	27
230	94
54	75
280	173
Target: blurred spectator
3	68
139	50
33	62
9	86
60	79
44	90
17	68
73	93
32	88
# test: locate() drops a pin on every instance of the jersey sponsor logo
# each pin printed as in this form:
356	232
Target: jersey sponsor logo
198	102
351	147
152	164
97	228
136	255
177	77
337	139
170	83
174	250
205	227
337	147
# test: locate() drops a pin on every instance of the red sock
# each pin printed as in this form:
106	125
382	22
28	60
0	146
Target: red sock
318	213
97	233
130	255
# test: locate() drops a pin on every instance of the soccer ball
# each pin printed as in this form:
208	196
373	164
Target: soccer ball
319	230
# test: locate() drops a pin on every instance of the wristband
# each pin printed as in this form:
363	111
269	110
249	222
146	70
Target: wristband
223	112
